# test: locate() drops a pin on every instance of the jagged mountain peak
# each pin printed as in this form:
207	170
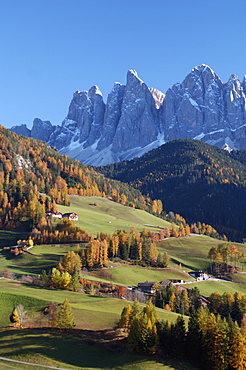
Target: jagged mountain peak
94	90
136	118
203	68
202	75
132	76
233	77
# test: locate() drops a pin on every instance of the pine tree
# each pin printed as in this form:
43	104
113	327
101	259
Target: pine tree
70	261
164	334
65	318
165	260
178	338
237	354
136	308
185	302
143	336
194	338
125	317
172	301
75	281
217	342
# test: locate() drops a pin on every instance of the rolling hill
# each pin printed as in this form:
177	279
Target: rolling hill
30	170
199	181
98	214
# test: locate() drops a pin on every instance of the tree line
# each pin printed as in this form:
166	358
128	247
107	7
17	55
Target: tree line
225	258
186	301
210	340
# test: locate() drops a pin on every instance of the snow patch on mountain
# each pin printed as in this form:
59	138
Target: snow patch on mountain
136	118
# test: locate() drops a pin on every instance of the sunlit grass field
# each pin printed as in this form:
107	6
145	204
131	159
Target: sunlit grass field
132	275
90	312
95	313
210	286
98	214
197	245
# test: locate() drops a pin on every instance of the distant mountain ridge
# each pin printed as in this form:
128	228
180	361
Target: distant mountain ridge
195	179
136	119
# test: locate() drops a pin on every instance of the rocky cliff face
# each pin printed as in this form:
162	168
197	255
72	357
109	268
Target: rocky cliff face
202	107
136	119
41	130
98	133
22	130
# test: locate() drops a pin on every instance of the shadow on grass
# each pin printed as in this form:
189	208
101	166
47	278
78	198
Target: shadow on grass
8	237
200	260
177	262
51	257
28	264
77	348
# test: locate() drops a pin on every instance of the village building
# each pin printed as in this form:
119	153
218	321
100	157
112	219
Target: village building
199	275
147	287
166	282
71	216
54	214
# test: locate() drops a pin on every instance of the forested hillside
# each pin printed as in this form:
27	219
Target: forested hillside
197	180
29	167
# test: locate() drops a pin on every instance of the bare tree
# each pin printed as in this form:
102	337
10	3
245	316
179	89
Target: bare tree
21	313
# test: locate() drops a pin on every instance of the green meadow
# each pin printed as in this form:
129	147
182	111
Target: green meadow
69	351
74	349
25	264
132	275
98	214
210	286
191	251
90	312
196	245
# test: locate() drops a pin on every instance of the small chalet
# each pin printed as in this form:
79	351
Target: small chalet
71	216
166	282
54	214
147	287
199	275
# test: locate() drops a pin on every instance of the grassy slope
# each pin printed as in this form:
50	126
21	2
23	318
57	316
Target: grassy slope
67	351
109	216
131	275
210	286
33	306
198	245
95	313
192	251
92	313
10	237
240	277
25	264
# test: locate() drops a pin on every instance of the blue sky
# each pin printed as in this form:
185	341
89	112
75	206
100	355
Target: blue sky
50	48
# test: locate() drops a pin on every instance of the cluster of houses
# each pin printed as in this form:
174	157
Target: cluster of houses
71	215
150	287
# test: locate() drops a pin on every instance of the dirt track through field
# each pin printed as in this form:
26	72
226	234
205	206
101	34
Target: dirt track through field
31	364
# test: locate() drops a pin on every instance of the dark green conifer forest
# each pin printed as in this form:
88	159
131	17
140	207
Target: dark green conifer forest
199	181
